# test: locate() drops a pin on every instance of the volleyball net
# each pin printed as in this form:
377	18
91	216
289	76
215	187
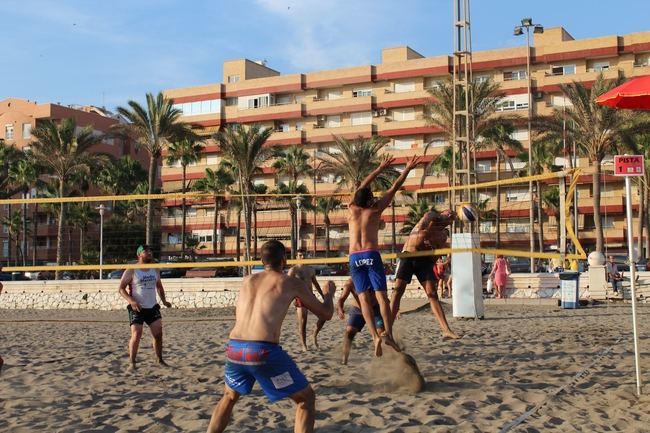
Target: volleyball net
225	232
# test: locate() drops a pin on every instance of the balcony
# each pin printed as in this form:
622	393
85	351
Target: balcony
547	79
403	99
270	112
389	127
315	106
320	135
288	138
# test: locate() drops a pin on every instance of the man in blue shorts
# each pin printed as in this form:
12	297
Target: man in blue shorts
366	267
253	352
355	322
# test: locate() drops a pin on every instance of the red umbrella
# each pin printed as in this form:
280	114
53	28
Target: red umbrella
633	94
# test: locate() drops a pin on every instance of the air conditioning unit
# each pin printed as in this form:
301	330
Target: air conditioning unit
375	113
538	95
383	111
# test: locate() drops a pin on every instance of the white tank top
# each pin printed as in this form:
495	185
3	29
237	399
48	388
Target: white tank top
144	287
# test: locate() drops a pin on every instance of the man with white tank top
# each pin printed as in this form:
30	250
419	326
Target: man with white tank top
143	307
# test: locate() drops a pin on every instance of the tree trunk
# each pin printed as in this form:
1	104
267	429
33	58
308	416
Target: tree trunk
34	234
292	217
69	246
82	230
641	256
540	217
9	241
24	243
183	217
59	234
215	221
248	223
19	253
255	231
153	160
497	239
327	239
595	179
238	235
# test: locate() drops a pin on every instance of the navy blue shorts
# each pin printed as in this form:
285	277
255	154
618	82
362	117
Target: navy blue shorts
367	271
266	363
356	320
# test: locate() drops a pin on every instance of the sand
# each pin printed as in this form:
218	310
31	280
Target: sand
65	371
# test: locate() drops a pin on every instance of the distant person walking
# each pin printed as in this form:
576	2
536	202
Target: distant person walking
500	272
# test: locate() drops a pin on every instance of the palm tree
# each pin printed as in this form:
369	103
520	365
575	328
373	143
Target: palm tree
152	128
351	161
295	193
596	130
65	152
245	153
23	175
497	135
293	163
81	216
215	182
121	176
442	165
9	156
257	189
186	152
325	205
638	142
416	211
441	109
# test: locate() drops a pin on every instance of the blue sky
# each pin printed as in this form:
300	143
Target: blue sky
107	52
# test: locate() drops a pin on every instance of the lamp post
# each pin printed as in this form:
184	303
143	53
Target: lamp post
526	24
298	200
101	209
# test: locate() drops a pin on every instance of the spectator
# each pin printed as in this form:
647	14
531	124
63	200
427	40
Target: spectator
500	272
615	277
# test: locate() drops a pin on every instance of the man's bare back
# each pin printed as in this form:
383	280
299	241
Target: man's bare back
363	225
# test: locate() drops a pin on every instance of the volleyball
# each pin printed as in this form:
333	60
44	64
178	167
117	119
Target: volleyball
467	212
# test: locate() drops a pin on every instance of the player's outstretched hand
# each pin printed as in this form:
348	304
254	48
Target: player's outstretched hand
167	304
413	162
386	161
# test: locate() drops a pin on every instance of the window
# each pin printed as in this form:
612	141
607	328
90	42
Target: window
517	195
400	168
9	131
5	248
41	242
438	142
172	239
403	114
405	86
333	121
283	127
298	126
513	102
438	198
432	83
259	101
402	143
600	66
231	102
283	99
208	106
560	101
516	165
258	182
484	197
519	134
484	166
641	60
212	159
202	235
487	227
334	94
514	75
478	79
363	118
233	78
563	70
608	222
5	229
190	212
517	226
361	91
27	130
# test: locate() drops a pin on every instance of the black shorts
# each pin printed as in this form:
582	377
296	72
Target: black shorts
422	267
146	315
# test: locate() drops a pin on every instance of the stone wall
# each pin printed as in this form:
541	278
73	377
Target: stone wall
222	292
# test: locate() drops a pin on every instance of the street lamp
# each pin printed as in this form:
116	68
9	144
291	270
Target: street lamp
101	209
298	200
526	24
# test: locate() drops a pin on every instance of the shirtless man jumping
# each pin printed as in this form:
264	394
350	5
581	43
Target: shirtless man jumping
366	267
253	353
356	321
307	274
429	233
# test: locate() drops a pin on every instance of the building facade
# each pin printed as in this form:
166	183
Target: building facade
17	119
389	100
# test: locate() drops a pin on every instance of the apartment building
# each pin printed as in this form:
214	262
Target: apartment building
17	119
389	100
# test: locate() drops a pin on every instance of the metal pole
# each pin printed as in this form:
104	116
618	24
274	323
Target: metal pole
630	248
530	152
101	241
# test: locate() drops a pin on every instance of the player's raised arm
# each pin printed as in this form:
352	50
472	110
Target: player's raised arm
347	289
385	163
384	202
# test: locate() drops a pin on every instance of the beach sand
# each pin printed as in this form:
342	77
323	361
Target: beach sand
65	372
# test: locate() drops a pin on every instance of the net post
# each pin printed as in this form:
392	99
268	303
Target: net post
562	218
